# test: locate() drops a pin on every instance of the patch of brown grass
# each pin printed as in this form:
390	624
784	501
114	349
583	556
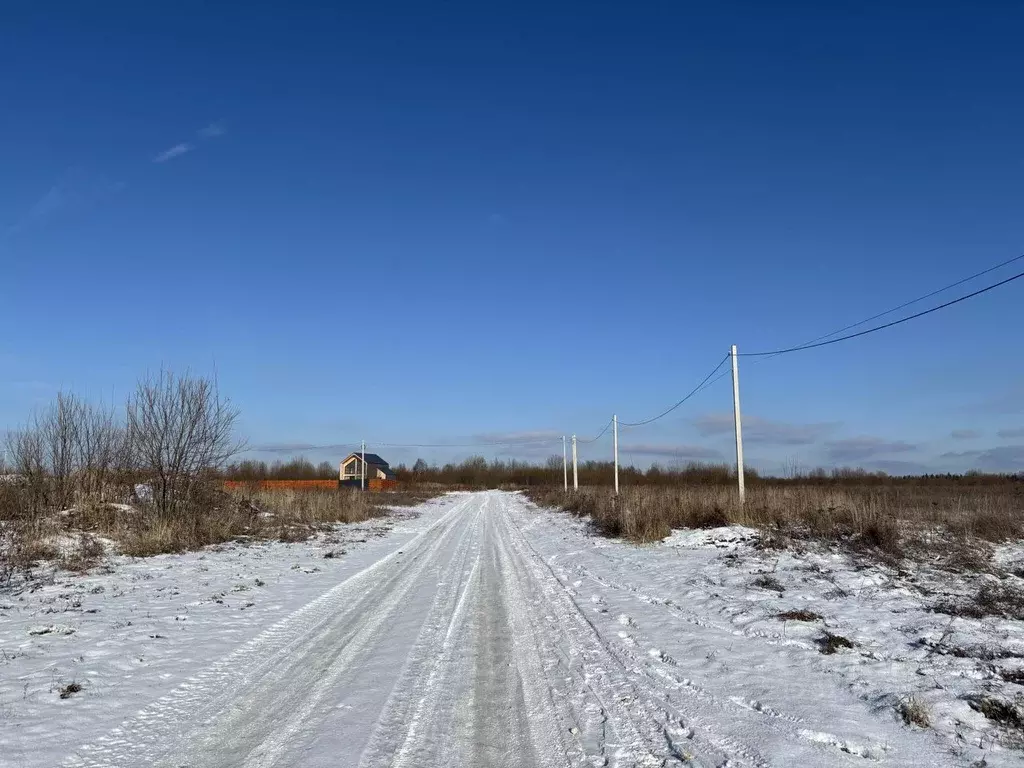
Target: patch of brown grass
1004	712
991	599
211	516
766	581
799	615
70	690
86	555
830	643
914	711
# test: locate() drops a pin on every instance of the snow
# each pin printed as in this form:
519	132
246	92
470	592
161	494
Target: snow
133	630
693	599
479	630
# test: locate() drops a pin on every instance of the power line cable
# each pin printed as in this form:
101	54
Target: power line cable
599	434
957	300
467	445
906	304
669	410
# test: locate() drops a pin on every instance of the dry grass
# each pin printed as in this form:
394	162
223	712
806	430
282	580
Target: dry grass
914	711
799	615
216	516
882	520
768	582
70	690
87	554
830	643
991	599
1007	713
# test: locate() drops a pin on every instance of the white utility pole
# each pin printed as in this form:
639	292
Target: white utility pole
575	477
565	467
362	479
737	420
615	440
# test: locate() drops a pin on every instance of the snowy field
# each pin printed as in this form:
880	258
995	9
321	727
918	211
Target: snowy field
478	630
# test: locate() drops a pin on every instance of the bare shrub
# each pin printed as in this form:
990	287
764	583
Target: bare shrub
179	430
66	451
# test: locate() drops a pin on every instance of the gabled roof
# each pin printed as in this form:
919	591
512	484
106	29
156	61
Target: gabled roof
371	458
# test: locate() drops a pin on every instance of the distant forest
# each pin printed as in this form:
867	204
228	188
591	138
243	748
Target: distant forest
477	472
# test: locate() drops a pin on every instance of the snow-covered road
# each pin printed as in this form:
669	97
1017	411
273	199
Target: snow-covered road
481	641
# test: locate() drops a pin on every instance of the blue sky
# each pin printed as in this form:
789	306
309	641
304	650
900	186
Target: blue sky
427	224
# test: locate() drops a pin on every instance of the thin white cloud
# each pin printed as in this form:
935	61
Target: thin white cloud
517	438
75	189
864	447
965	434
764	431
176	151
696	452
1003	458
1015	432
213	130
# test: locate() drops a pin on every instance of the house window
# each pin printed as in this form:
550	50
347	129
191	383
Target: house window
351	469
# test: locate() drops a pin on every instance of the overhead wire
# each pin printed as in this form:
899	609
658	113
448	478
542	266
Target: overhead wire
669	410
813	345
825	340
599	434
906	304
708	381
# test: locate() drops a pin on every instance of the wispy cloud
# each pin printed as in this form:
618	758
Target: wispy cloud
213	130
75	189
696	452
765	431
967	434
518	438
1015	432
176	151
865	447
1002	458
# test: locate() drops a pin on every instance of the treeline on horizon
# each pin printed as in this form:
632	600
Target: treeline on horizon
478	472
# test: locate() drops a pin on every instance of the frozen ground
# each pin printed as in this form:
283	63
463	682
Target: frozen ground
481	631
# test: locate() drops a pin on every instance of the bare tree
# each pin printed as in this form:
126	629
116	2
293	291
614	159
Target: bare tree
102	451
59	429
179	429
26	457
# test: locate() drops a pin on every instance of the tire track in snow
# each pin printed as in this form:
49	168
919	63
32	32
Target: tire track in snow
478	652
651	735
156	732
781	738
